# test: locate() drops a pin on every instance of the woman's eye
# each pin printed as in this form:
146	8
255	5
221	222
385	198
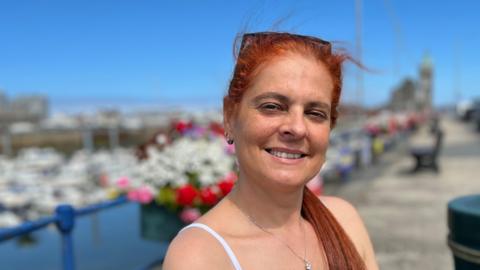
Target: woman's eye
271	107
318	115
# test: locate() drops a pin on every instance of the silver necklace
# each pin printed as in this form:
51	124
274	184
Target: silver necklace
308	265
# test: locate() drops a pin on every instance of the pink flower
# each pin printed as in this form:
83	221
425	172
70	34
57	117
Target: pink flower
229	148
145	195
231	176
123	182
142	195
103	180
189	215
132	195
198	132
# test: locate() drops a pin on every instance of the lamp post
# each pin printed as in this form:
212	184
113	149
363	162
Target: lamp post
358	49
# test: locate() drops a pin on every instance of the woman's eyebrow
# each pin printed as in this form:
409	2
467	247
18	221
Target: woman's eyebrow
318	104
272	95
286	100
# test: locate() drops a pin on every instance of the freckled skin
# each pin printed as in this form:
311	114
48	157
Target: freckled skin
292	123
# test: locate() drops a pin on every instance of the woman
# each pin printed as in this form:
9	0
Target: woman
279	111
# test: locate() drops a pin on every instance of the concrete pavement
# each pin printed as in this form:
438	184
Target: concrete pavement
406	214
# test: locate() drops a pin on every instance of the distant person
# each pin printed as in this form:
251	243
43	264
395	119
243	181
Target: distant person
279	110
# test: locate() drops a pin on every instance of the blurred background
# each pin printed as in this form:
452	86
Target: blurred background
96	95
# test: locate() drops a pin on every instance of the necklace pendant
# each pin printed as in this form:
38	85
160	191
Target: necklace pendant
308	265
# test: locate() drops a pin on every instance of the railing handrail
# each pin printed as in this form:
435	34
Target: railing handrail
31	226
26	227
64	219
100	206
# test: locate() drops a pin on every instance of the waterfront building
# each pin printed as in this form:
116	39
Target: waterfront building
29	108
403	97
33	108
415	95
425	84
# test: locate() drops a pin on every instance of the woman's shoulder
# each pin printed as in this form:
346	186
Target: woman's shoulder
350	220
343	210
346	214
195	248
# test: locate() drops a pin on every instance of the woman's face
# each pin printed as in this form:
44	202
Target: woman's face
281	126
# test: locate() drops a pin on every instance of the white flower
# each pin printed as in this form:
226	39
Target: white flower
204	157
161	139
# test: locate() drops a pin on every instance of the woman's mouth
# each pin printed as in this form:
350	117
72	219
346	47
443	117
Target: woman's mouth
285	154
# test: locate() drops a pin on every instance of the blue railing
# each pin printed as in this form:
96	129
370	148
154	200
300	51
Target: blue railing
64	219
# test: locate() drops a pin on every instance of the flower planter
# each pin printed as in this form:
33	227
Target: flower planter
158	223
180	174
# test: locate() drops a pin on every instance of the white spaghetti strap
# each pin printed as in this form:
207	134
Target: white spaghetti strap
220	239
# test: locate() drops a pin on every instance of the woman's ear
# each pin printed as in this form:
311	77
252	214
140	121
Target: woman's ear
229	118
227	122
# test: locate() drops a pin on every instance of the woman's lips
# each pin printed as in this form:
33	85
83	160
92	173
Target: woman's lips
288	155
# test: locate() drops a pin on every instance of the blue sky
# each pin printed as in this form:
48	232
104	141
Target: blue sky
95	52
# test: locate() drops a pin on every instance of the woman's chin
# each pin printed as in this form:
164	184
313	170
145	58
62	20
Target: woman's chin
288	180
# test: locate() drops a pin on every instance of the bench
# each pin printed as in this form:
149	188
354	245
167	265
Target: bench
427	156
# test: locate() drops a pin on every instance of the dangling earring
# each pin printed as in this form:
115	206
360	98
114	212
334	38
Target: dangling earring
229	140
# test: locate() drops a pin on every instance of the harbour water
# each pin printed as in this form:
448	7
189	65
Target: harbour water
109	239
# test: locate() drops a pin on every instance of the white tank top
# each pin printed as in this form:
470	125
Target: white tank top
220	239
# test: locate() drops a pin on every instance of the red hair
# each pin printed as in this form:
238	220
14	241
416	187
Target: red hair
258	49
264	47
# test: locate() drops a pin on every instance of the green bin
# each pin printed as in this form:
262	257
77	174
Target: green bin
464	237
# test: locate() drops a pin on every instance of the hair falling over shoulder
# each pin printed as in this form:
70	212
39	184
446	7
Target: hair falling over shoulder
339	249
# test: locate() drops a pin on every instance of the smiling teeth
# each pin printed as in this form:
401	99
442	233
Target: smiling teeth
285	155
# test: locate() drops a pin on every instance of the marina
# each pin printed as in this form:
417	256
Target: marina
35	181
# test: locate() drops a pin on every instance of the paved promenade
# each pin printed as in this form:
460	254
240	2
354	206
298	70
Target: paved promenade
406	214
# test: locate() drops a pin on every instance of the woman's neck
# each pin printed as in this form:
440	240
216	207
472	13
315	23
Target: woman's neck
272	209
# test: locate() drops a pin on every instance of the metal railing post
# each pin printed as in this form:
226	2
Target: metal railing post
65	224
64	219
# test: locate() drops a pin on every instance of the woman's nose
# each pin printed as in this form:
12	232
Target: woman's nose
293	126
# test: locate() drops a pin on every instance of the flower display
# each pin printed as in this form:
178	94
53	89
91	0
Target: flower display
187	169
